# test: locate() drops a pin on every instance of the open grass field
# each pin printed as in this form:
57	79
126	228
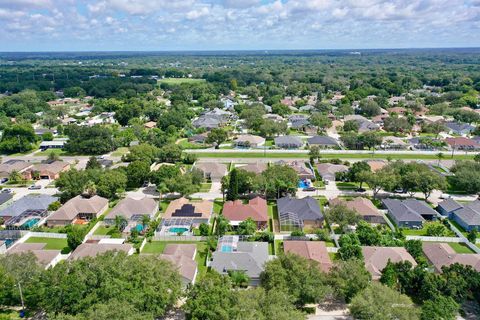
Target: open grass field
177	81
157	247
52	243
120	152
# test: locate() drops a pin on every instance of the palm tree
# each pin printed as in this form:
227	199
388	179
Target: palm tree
440	156
120	222
15	176
239	279
145	220
162	189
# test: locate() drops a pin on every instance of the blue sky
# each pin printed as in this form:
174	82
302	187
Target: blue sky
73	25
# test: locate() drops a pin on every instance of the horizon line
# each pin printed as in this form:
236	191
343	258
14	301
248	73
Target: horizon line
236	50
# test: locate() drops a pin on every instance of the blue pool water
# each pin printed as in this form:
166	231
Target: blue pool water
226	248
30	223
178	230
303	184
139	227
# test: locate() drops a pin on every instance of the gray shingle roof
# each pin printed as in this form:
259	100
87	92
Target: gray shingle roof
469	216
449	205
290	140
324	140
306	208
401	211
249	257
28	202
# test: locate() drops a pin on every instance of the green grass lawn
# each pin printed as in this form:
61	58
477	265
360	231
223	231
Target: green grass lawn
459	227
348	185
157	247
405	155
102	231
278	247
217	206
163	205
333	256
120	152
178	81
330	243
205	187
185	144
460	247
273	214
47	152
52	243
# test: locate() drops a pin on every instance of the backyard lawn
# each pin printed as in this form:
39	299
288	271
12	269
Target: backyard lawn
102	231
47	152
217	206
52	243
273	214
205	187
460	247
422	232
157	247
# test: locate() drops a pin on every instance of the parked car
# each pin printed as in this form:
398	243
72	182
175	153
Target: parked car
34	187
309	189
7	191
4	180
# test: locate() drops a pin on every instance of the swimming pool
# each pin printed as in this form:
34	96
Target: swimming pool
303	184
30	223
226	248
139	227
178	230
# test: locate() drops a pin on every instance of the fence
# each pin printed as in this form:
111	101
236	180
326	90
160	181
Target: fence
178	238
435	239
46	235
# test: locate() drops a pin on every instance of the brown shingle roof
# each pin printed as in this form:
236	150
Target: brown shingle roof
362	206
130	207
54	167
442	254
257	167
376	258
313	250
462	141
44	257
94	249
78	205
255	209
201	207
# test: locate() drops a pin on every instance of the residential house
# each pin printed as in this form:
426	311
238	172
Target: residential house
462	143
364	207
257	167
150	125
206	123
303	170
198	138
133	211
442	255
397	110
409	213
92	249
323	142
248	141
311	250
182	256
468	216
273	117
27	212
299	122
288	142
328	170
299	214
462	129
45	258
78	210
256	209
12	165
395	143
212	170
376	258
376	165
3	247
5	199
396	100
243	256
48	170
448	206
364	124
54	144
197	211
221	115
